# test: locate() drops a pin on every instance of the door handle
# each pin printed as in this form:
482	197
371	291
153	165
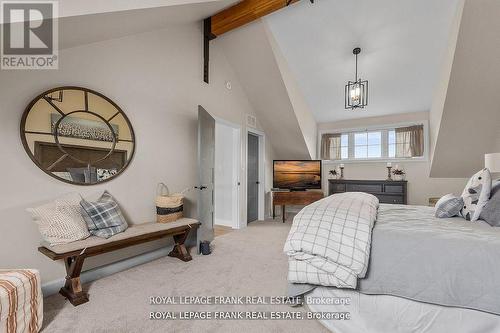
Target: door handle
257	182
201	188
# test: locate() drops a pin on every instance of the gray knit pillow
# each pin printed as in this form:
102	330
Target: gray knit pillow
491	211
449	206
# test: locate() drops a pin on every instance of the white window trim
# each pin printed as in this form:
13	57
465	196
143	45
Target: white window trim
424	158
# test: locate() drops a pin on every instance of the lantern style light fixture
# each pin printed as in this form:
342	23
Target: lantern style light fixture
356	92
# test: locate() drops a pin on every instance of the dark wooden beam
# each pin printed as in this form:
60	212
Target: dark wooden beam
245	12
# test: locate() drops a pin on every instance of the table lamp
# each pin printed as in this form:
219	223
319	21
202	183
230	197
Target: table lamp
492	162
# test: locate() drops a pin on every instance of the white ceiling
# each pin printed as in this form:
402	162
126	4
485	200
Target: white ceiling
403	44
90	28
87	7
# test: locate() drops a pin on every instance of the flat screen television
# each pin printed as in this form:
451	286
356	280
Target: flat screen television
297	175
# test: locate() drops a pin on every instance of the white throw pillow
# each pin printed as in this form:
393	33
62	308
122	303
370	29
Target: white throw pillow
476	194
61	222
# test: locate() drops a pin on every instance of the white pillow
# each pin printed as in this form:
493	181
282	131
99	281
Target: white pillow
476	194
61	222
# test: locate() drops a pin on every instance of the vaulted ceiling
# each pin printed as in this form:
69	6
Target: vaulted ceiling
402	41
294	63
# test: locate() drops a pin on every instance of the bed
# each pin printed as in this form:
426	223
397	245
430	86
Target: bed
414	272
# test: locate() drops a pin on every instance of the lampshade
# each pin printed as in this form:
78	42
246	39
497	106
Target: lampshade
492	162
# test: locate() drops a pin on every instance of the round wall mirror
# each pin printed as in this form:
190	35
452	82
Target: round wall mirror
77	135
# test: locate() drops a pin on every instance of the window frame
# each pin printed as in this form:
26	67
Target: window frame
385	143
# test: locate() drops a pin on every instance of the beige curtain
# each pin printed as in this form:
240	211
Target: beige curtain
330	147
410	141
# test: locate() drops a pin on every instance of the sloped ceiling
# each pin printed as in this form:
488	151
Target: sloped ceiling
251	55
103	24
470	121
403	43
68	8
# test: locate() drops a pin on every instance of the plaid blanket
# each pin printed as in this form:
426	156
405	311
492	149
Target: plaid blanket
329	242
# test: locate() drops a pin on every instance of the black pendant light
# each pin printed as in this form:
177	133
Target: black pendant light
356	92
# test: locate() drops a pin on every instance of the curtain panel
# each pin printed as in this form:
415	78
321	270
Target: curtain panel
410	141
330	146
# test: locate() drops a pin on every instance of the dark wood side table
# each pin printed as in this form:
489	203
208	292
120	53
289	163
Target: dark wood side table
294	198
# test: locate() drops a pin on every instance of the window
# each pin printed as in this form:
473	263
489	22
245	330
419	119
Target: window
368	145
391	141
385	143
344	146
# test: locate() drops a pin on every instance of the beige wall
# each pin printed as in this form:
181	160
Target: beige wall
441	89
420	186
156	78
307	123
470	120
249	51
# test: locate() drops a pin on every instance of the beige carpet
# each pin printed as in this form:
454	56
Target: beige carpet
245	262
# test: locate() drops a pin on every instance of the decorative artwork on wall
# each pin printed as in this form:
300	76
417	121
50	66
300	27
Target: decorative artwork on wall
74	127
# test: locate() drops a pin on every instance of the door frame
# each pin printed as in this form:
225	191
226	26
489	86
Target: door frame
262	172
237	168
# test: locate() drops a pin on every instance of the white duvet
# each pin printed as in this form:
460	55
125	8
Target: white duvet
329	242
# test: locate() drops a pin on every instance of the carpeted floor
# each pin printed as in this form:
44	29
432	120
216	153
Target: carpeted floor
247	262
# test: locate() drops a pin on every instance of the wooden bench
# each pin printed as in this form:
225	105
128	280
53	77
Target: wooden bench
75	253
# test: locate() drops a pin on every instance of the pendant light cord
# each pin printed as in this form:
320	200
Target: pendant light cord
356	78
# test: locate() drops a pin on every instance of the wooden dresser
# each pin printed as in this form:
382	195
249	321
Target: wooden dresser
283	199
387	191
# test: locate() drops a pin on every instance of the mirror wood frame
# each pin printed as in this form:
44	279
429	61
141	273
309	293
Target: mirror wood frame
85	91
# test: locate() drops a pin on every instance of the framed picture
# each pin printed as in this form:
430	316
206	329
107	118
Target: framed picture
80	128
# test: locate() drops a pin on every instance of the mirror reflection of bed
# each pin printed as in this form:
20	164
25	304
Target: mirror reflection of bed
48	155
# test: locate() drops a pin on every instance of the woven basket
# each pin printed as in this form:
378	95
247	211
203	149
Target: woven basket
169	207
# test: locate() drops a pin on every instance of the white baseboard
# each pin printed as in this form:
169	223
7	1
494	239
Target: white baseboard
52	287
224	223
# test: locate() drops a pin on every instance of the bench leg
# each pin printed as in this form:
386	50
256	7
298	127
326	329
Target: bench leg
180	250
72	289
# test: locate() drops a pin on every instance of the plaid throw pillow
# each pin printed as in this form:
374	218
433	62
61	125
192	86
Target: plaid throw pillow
104	217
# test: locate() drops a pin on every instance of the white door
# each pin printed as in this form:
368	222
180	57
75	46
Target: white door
206	161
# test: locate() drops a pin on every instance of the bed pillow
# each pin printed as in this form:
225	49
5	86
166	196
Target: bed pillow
491	211
476	194
83	175
60	221
104	217
449	206
495	186
103	174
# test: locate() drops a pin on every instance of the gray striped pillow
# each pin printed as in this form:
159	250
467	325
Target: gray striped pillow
449	206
